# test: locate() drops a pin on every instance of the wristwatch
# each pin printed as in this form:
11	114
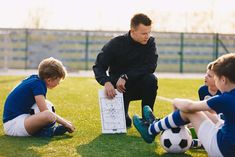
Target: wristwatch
124	77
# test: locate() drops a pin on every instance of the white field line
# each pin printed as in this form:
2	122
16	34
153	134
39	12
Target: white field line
89	73
165	99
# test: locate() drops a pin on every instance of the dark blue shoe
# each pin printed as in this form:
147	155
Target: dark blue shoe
142	128
148	115
51	131
60	130
45	132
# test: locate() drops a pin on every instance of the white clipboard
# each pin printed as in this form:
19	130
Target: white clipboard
112	113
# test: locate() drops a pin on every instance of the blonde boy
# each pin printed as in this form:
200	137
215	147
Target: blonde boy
17	120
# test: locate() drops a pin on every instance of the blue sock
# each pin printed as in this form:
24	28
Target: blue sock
171	121
50	125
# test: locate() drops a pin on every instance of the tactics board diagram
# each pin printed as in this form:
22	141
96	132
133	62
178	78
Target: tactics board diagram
112	113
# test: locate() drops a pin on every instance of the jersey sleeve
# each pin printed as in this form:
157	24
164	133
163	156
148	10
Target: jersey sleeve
103	61
38	88
217	103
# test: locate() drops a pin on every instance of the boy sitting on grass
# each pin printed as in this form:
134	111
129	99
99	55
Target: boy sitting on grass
17	120
217	138
205	92
209	89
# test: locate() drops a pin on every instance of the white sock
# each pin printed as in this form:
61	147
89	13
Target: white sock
149	131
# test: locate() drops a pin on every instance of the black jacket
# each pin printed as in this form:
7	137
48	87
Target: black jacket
123	55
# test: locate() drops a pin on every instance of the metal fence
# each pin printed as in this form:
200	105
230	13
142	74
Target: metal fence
178	52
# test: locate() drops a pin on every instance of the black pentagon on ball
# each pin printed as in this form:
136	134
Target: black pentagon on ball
176	130
183	143
167	143
53	109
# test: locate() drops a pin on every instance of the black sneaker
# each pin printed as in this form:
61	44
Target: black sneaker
60	130
148	115
51	131
128	121
45	132
142	128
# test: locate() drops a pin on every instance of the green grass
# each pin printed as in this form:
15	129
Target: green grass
76	99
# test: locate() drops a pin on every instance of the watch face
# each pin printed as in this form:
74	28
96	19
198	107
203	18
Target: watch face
124	77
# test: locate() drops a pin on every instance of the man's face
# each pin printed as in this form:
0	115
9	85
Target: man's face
141	33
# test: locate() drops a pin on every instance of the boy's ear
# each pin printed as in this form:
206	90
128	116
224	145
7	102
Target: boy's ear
224	79
47	80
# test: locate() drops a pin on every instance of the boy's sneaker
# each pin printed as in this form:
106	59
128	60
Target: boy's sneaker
142	128
196	144
148	115
51	131
60	130
45	132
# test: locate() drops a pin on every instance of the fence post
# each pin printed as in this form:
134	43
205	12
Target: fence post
181	53
6	41
216	46
26	48
86	50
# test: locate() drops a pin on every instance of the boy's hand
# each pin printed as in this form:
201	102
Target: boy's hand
70	127
65	123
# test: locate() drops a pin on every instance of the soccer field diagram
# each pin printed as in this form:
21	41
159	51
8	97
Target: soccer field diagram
112	114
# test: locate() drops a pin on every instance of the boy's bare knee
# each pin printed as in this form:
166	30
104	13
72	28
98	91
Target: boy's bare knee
193	116
49	116
188	116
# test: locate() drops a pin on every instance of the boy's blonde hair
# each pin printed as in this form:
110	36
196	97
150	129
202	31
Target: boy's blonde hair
51	68
209	66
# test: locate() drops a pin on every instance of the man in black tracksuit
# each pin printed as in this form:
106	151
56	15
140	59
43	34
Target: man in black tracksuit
131	60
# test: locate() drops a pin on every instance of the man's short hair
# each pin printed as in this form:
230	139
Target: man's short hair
224	66
51	68
140	19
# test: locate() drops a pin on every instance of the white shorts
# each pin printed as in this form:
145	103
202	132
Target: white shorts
207	134
15	127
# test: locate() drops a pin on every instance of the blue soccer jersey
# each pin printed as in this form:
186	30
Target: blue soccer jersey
203	92
225	104
21	98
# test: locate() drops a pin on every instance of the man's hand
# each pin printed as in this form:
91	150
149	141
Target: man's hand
121	85
109	90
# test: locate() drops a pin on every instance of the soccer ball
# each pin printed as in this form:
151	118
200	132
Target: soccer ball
34	109
176	140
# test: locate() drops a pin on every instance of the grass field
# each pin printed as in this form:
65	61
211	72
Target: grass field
76	99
